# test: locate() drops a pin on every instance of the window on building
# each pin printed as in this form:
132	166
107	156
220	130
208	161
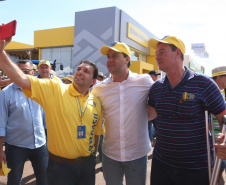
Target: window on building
136	56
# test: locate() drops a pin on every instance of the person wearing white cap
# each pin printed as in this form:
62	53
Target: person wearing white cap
219	76
101	76
180	153
69	79
123	96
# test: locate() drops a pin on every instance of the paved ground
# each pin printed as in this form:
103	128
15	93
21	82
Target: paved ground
29	178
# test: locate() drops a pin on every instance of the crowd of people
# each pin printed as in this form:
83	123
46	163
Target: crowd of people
122	112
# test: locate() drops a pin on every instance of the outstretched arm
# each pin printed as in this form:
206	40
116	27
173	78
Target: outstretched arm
11	69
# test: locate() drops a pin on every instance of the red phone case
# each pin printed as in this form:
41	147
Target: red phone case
8	30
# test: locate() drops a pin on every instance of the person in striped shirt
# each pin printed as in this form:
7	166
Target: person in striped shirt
219	76
180	154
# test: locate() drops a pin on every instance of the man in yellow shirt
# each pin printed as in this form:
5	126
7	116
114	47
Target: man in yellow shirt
73	118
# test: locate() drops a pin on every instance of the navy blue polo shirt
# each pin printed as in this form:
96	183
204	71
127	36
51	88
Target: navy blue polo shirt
180	130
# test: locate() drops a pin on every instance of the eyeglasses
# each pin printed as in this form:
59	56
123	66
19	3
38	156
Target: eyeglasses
26	71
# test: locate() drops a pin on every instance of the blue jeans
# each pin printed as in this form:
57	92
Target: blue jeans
151	130
72	174
164	174
135	171
17	156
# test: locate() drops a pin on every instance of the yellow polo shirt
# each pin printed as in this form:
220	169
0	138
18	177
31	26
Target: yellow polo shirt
60	102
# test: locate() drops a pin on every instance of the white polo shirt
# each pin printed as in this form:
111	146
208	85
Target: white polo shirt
124	107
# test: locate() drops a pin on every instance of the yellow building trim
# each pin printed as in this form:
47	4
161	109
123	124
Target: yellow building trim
137	35
140	67
18	45
54	37
39	53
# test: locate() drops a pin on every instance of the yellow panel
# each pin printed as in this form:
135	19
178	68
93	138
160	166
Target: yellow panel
17	45
137	35
54	37
140	67
151	59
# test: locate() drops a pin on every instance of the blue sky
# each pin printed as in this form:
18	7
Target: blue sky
193	21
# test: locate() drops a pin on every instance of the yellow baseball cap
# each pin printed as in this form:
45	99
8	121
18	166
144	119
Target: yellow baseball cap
218	71
70	77
44	62
153	43
116	46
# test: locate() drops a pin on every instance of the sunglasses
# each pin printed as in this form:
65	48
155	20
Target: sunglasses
26	71
101	77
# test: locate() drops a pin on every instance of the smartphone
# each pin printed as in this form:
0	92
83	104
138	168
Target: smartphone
8	30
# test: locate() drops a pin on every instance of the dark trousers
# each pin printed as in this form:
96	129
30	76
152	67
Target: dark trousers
72	174
17	156
163	174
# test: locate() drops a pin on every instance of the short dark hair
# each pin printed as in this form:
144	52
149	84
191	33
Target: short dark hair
24	62
174	48
215	77
95	72
125	55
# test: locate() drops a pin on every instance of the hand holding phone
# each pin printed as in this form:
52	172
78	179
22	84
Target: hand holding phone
8	30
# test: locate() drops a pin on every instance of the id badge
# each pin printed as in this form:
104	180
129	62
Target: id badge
81	132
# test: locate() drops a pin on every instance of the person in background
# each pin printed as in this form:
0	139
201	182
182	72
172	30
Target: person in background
44	69
219	76
123	96
154	75
221	147
180	153
22	130
151	126
5	82
35	69
101	77
68	79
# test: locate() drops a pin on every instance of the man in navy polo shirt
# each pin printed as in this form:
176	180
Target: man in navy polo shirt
180	154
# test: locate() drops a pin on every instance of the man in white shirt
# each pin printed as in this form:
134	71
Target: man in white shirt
124	103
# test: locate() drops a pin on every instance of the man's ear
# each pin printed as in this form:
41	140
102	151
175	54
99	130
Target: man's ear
94	81
178	52
127	59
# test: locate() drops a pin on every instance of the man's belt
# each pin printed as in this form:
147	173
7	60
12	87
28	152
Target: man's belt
79	160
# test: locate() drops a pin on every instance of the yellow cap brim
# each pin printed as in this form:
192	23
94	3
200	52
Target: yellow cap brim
219	73
153	43
104	50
